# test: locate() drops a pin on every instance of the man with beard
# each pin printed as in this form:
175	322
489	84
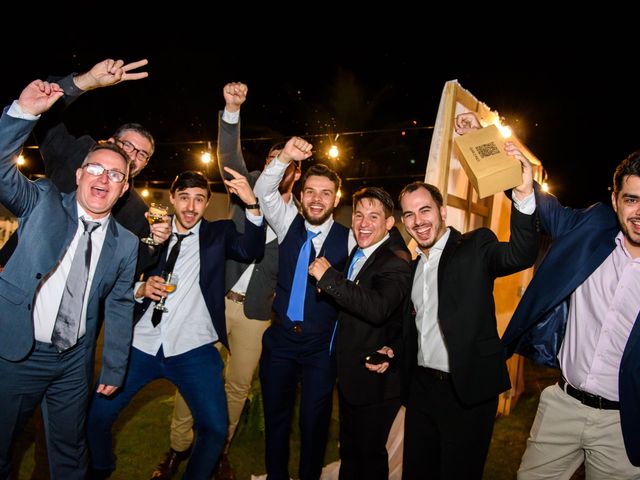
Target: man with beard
581	313
178	344
454	361
250	292
295	349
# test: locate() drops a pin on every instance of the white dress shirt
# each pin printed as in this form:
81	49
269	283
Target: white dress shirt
49	295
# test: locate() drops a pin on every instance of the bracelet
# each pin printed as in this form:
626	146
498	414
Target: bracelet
255	206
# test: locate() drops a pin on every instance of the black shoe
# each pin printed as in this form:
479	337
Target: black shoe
168	467
224	470
96	474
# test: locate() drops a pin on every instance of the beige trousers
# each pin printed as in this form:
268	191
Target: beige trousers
566	433
245	342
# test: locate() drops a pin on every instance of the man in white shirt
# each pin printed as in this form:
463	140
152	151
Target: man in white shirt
59	284
178	344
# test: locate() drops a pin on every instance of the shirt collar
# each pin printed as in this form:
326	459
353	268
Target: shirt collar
323	229
620	242
437	247
372	248
195	229
104	221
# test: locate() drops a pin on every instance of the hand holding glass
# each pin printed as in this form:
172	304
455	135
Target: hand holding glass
170	285
156	214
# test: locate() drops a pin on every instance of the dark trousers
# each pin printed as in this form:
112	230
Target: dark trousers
58	382
198	375
364	430
288	359
443	438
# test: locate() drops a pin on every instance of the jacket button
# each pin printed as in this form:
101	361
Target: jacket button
38	276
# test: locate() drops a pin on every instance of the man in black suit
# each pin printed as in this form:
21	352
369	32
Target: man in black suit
370	294
453	359
178	345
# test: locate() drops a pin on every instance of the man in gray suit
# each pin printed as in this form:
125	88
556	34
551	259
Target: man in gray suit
250	291
40	360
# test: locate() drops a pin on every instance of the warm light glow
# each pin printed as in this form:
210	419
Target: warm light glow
545	187
206	157
504	130
333	151
21	160
145	193
339	194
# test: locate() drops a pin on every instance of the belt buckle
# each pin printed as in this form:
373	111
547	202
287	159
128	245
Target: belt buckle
297	328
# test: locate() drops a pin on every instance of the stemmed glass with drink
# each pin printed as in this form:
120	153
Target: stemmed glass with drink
156	214
170	285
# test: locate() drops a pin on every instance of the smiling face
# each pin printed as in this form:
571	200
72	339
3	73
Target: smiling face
369	223
318	199
626	203
189	205
422	218
97	194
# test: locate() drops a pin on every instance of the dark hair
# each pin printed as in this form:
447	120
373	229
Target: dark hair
111	147
321	170
432	189
276	146
139	129
629	166
375	193
190	179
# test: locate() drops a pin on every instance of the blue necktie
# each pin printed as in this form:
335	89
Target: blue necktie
350	275
295	311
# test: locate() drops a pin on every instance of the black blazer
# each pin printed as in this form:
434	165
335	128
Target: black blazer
370	317
468	267
218	241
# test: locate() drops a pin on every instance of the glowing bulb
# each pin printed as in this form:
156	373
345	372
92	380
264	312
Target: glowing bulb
145	193
545	187
206	157
21	160
333	151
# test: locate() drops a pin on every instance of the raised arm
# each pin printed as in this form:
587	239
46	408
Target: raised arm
229	149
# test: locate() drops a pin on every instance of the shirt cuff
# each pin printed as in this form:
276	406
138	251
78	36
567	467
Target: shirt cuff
526	206
231	117
255	219
16	112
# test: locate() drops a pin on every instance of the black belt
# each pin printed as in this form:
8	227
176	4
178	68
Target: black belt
588	399
437	374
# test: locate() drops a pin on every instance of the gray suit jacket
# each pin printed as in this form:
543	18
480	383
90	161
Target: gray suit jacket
47	223
260	291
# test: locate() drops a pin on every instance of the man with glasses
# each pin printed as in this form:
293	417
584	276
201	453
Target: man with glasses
62	153
72	267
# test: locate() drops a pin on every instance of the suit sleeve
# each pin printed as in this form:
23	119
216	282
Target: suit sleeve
519	252
62	153
247	246
376	302
229	148
554	218
118	323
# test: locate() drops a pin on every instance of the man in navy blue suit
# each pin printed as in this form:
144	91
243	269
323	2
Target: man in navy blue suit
40	282
581	312
178	344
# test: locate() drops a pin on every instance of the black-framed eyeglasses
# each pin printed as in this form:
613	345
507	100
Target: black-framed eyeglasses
116	176
129	147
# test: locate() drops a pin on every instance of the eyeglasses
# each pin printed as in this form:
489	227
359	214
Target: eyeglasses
116	176
130	148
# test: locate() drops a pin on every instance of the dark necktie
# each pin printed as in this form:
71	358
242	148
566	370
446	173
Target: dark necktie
67	326
295	310
168	267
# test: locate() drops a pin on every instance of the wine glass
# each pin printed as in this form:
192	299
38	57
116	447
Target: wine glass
170	285
157	211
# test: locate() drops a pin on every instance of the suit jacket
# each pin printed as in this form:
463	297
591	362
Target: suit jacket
48	223
218	241
582	240
261	289
468	266
370	317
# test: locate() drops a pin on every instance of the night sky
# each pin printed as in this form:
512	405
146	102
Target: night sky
569	112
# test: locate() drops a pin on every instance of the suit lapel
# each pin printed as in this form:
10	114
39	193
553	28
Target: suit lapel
369	260
454	238
106	256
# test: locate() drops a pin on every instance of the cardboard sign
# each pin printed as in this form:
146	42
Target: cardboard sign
485	162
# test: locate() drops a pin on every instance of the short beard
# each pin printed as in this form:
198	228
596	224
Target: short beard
319	221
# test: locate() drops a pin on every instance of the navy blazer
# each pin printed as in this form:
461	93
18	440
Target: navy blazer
218	241
48	221
582	240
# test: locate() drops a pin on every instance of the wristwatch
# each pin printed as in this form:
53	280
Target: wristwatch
254	206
